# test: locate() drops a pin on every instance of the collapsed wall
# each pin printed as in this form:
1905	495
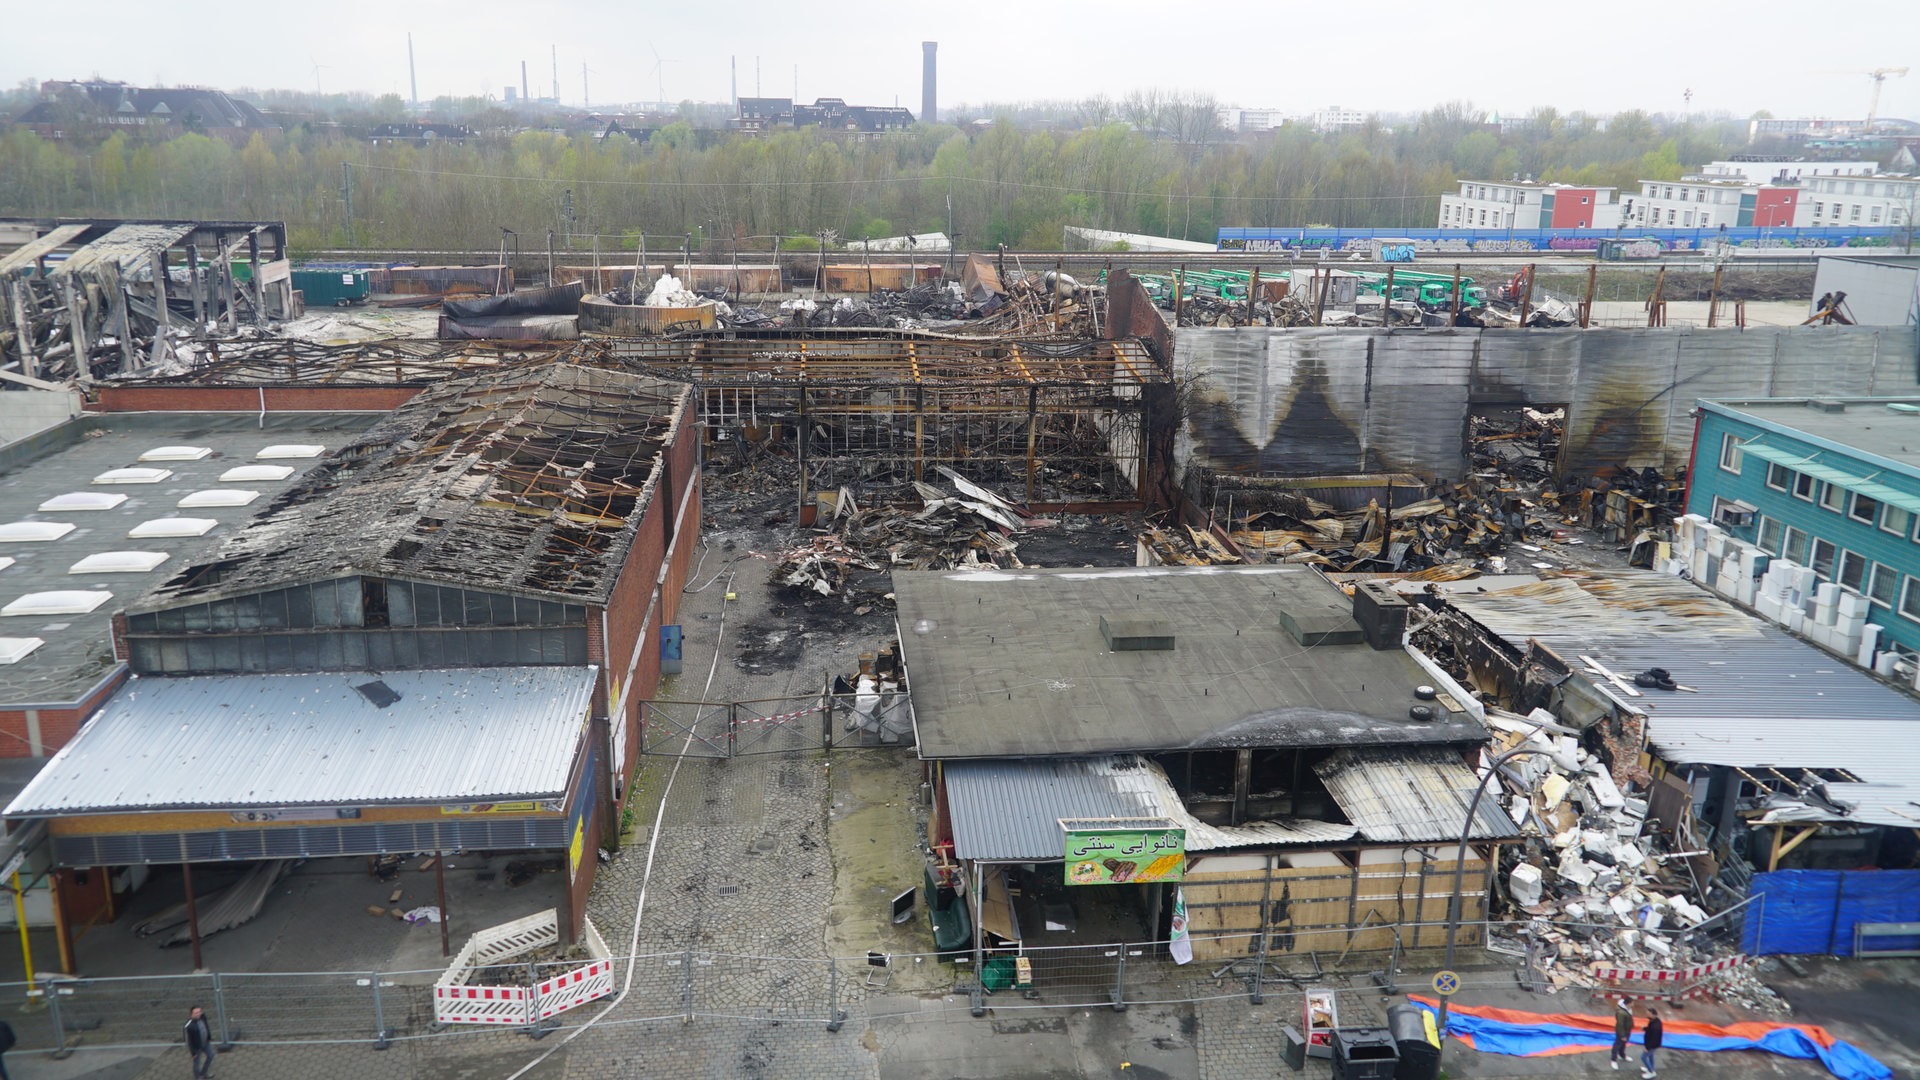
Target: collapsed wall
1317	401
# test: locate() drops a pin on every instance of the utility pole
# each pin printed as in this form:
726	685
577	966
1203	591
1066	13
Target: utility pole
585	99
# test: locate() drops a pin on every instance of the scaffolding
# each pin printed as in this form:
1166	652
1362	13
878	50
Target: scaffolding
1062	423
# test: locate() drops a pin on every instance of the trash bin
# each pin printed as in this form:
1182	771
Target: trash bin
1294	1051
1364	1054
1419	1059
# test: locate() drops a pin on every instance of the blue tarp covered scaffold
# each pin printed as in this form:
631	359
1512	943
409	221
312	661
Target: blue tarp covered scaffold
1813	911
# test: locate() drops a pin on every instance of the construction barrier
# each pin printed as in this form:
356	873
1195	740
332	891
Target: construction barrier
1642	984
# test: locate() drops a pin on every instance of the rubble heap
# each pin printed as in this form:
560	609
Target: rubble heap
968	526
1593	891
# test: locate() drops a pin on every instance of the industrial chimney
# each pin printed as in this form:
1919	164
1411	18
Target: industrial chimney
413	78
523	81
929	113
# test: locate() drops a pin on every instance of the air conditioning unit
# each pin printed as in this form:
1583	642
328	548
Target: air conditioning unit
1734	515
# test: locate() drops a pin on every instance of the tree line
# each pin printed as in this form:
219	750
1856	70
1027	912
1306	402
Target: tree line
1158	164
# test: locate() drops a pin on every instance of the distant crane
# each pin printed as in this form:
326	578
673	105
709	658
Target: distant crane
1879	77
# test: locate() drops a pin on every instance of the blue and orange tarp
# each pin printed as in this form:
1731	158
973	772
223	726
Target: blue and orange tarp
1493	1030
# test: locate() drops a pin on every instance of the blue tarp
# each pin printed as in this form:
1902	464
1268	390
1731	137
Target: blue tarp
1813	911
1496	1036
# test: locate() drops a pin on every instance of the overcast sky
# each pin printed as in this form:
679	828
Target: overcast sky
1792	57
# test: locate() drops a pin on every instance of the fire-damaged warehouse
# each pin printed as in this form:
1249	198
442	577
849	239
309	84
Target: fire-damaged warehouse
436	639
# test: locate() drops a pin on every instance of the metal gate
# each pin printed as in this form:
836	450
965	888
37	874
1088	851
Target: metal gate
797	723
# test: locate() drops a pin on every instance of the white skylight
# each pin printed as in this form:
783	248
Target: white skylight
133	476
5	561
218	497
84	500
173	526
21	532
290	450
62	602
15	649
244	473
177	453
118	562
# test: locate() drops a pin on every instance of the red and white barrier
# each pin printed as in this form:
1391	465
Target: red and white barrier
456	1001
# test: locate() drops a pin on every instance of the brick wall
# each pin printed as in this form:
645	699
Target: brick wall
248	399
57	725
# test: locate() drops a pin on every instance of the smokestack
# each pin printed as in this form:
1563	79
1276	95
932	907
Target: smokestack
586	99
523	81
734	63
556	73
413	76
929	108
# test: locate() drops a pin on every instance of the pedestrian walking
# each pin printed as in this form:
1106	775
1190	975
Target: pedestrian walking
6	1044
199	1036
1622	1032
1650	1040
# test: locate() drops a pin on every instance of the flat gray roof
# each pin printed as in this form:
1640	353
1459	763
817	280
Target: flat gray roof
78	653
1866	425
1012	663
265	741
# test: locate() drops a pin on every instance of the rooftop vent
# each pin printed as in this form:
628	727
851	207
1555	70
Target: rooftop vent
133	476
1826	405
177	453
216	497
61	602
1314	622
1381	613
15	649
84	500
21	532
246	473
290	450
1136	633
379	693
173	526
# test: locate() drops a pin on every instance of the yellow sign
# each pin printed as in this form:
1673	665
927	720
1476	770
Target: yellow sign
573	849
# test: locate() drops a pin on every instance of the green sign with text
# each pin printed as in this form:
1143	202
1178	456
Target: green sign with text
1124	856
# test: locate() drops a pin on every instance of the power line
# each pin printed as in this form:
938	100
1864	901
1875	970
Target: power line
709	185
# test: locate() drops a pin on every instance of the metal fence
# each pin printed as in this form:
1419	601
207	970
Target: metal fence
379	1008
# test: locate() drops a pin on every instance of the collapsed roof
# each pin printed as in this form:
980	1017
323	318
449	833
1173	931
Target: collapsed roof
532	480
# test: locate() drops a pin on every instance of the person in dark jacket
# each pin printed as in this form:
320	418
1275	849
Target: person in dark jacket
1622	1032
1651	1041
6	1044
199	1037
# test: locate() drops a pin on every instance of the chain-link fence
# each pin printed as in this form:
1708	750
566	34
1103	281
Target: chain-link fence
381	1007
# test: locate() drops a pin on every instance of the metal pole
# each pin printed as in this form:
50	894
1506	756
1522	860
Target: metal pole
1460	864
60	1050
979	951
193	914
1120	981
382	1033
836	1016
220	1013
20	920
440	885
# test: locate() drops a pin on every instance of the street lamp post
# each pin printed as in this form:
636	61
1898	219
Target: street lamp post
1460	856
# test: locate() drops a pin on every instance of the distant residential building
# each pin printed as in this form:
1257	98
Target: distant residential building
418	134
833	114
1801	127
1245	120
66	107
1335	118
1485	204
1698	203
1862	200
1763	170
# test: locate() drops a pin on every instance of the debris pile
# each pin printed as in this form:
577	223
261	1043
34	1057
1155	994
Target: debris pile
1600	901
968	526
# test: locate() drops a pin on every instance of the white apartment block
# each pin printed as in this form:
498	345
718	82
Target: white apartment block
1861	202
1699	203
1334	118
1775	169
1483	204
1243	120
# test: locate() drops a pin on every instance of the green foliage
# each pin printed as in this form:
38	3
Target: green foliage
1153	166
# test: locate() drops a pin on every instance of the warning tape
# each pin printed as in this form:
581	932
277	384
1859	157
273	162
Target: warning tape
782	718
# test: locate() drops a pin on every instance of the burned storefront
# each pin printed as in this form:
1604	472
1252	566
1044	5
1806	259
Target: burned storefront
1097	737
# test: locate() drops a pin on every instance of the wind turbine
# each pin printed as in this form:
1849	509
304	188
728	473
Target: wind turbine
660	81
317	65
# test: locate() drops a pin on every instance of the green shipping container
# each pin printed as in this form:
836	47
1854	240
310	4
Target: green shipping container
337	287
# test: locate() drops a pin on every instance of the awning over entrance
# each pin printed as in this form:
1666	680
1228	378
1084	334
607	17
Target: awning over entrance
344	739
1009	809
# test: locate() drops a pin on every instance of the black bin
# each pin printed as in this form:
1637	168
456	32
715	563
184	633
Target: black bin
1294	1049
1364	1054
1419	1059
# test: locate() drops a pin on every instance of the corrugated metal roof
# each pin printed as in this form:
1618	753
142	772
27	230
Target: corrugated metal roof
1410	795
246	741
1010	809
1765	698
